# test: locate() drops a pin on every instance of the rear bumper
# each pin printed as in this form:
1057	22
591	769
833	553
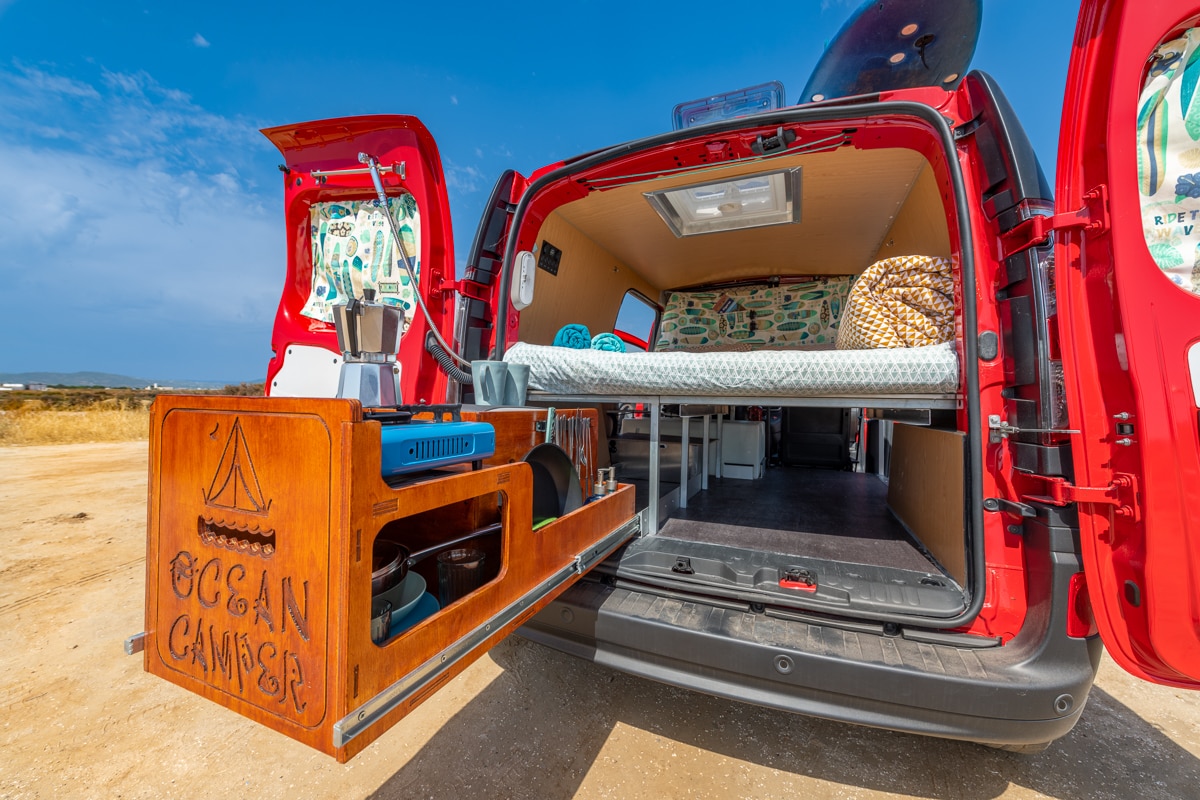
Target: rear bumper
1030	690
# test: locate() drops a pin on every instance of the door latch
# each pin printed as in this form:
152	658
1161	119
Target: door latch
1000	429
768	145
798	578
473	290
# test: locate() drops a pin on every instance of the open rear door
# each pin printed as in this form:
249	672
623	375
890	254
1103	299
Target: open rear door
324	569
1127	229
339	245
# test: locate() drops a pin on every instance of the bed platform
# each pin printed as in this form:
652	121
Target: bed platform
914	377
704	384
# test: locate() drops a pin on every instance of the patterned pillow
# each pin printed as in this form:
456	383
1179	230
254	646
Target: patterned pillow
793	314
739	347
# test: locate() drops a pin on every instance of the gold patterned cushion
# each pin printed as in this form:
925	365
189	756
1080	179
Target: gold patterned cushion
907	301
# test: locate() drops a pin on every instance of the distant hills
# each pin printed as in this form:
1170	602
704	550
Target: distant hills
105	379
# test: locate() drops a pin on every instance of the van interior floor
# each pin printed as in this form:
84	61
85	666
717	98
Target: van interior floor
744	539
797	511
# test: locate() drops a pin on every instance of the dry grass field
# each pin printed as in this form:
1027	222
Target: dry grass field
95	424
79	415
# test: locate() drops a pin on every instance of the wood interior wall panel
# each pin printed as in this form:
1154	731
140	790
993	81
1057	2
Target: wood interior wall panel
920	228
925	491
588	289
849	200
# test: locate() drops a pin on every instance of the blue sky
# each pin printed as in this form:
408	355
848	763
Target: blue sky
141	211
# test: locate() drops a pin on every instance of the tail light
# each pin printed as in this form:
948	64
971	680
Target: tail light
1052	402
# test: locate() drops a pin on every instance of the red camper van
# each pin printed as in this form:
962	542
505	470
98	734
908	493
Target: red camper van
899	436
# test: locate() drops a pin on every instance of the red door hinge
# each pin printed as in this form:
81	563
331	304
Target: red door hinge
1122	494
1092	218
467	288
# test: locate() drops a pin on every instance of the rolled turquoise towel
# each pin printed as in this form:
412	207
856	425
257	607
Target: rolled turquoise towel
609	342
577	337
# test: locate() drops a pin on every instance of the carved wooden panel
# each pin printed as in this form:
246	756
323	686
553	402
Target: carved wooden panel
262	518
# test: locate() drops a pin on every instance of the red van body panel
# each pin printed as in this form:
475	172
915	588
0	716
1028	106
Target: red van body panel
1125	337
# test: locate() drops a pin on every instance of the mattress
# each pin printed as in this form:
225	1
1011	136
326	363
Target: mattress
800	372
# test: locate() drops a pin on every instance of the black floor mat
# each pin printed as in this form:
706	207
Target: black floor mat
813	513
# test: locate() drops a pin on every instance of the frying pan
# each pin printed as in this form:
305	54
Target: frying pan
392	560
555	482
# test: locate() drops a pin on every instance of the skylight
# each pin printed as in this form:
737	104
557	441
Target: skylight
768	198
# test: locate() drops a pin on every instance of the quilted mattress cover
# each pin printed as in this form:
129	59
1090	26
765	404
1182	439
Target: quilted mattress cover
800	372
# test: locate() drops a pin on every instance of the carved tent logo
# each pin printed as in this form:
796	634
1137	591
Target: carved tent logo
234	488
232	613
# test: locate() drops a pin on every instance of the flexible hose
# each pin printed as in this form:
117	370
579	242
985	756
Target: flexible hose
373	165
445	361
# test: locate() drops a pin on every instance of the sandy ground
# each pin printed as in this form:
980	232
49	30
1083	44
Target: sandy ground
80	719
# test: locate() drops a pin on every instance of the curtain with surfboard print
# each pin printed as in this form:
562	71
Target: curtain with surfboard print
1168	129
353	250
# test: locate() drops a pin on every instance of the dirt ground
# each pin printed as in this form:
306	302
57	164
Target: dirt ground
80	719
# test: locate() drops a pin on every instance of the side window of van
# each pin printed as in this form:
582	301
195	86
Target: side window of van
637	319
1168	130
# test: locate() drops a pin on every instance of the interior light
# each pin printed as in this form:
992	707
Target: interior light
909	29
896	58
951	78
752	201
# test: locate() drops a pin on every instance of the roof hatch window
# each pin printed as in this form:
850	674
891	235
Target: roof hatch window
753	201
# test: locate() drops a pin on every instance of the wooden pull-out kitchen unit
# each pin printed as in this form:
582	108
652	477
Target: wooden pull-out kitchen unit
263	514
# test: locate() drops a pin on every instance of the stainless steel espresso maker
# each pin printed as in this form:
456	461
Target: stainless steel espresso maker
369	335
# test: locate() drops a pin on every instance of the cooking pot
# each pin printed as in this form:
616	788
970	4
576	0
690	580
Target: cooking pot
391	560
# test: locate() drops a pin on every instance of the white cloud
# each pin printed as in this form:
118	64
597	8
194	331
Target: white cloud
124	200
33	81
453	100
138	238
199	41
463	179
124	116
